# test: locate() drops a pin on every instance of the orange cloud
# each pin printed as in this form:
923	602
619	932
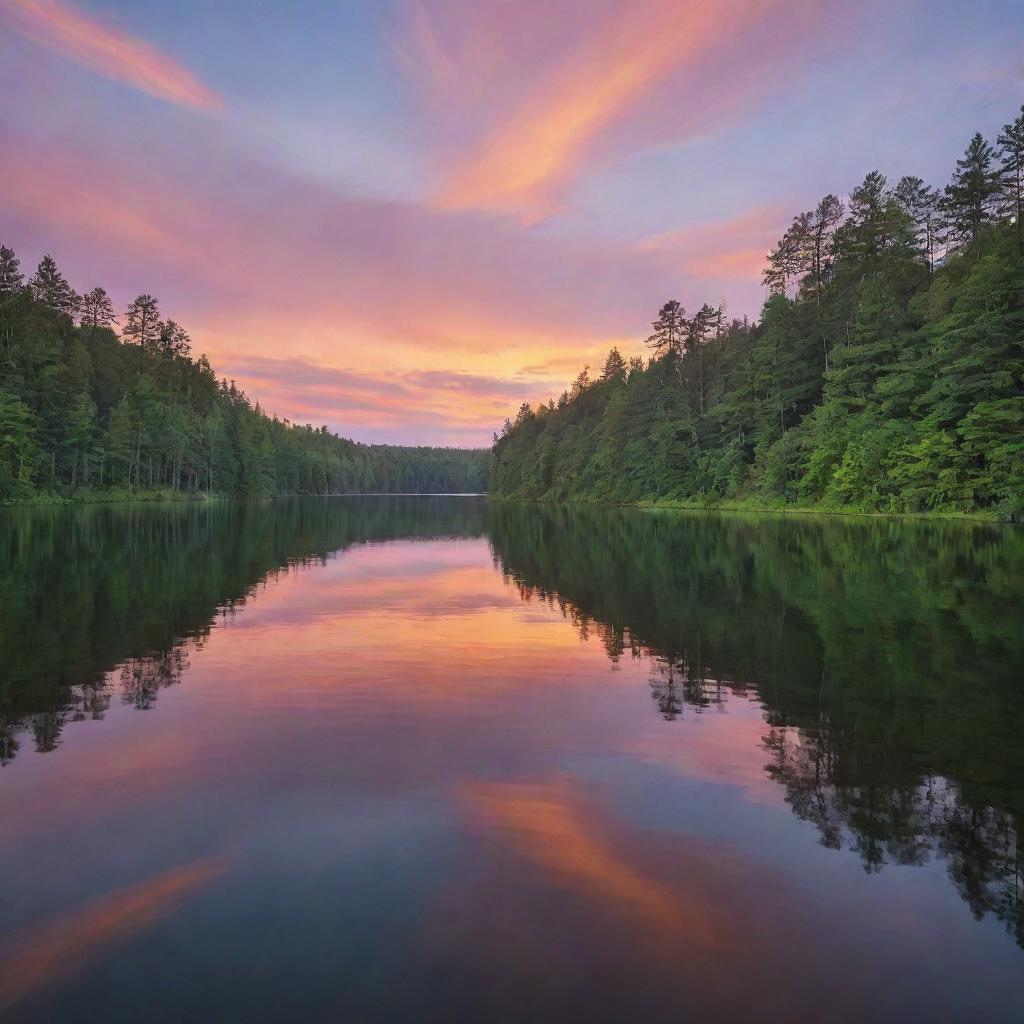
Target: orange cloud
611	70
109	52
65	943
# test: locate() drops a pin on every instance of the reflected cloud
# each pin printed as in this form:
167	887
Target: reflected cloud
549	823
46	954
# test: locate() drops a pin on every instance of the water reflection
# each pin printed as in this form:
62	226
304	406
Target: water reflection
587	785
549	823
106	599
66	944
887	657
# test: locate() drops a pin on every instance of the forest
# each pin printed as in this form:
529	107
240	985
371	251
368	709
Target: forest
86	413
885	374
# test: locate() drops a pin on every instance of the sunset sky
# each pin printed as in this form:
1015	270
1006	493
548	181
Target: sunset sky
402	218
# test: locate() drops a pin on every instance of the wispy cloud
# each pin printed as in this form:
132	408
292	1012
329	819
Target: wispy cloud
469	383
620	55
109	51
446	404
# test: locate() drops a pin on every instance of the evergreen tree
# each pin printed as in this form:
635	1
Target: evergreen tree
11	278
614	366
80	408
788	259
174	340
971	198
142	322
97	310
870	227
921	205
820	241
807	248
50	288
580	385
705	326
888	379
668	330
1011	152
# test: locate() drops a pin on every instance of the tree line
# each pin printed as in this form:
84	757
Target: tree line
886	372
84	411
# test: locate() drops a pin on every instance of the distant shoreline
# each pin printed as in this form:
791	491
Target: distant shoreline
655	505
758	509
201	497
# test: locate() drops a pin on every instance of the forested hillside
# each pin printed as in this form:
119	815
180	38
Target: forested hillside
85	412
886	372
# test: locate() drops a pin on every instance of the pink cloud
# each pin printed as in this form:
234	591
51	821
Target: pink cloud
109	51
724	250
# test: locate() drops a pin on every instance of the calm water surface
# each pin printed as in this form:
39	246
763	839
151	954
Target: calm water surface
430	759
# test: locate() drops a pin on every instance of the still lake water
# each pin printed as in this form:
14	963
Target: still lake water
434	759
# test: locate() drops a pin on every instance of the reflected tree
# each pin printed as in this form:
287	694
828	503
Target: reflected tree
101	599
885	655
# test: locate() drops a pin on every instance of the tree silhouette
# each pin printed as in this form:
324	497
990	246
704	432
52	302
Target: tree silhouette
50	288
1011	168
11	278
668	330
142	322
970	199
97	310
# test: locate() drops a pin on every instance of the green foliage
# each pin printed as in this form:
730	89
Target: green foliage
886	372
82	412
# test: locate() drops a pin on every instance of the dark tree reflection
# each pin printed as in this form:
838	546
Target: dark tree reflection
885	654
143	678
102	601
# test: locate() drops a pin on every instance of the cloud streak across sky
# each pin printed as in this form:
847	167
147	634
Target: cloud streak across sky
108	51
565	167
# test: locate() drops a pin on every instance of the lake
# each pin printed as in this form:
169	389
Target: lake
437	759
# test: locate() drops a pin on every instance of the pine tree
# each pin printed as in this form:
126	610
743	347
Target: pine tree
820	242
807	247
970	198
1011	168
50	287
787	259
669	330
614	366
143	322
921	205
705	325
11	278
870	228
97	310
580	384
174	340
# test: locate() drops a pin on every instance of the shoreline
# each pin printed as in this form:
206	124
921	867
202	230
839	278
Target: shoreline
202	497
643	505
736	507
